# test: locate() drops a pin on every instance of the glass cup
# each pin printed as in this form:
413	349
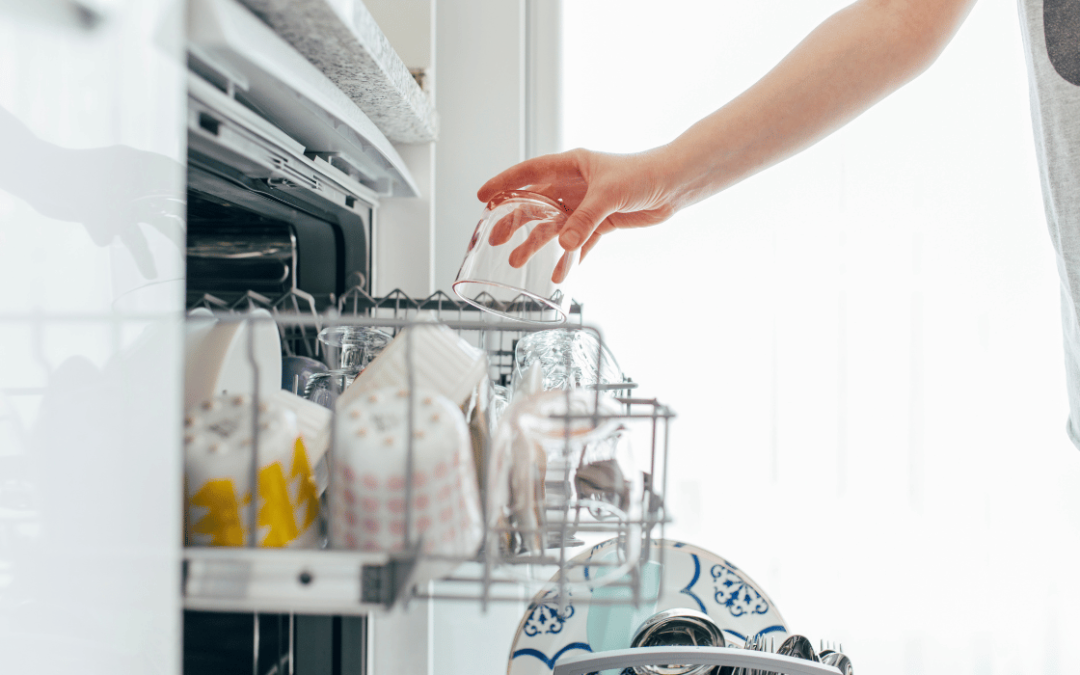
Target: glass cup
560	465
559	422
607	474
529	293
357	345
569	358
324	388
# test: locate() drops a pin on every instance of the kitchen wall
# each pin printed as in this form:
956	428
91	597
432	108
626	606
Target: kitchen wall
498	82
499	96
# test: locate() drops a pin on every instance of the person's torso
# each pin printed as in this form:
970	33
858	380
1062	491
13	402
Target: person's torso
1051	31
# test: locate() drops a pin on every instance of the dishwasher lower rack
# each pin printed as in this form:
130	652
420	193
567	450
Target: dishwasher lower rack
350	582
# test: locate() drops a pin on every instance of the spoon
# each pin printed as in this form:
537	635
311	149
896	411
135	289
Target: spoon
839	661
677	627
826	648
798	647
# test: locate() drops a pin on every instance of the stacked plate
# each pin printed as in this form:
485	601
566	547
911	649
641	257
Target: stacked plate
603	615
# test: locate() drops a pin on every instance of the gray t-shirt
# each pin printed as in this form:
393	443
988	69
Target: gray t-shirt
1051	31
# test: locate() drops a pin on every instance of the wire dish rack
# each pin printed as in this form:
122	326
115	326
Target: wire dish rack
351	582
299	321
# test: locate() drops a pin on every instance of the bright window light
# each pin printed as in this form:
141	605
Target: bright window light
862	343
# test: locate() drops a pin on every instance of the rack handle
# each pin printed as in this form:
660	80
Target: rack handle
579	664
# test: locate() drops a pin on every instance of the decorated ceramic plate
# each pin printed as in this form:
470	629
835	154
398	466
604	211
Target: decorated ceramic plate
678	576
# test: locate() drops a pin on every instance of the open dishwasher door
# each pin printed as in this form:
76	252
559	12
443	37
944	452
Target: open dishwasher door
92	259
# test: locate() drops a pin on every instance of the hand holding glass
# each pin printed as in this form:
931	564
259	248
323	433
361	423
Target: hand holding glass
515	227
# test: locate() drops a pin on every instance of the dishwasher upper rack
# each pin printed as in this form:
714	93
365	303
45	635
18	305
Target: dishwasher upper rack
301	339
353	582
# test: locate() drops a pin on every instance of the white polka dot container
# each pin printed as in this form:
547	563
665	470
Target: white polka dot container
368	486
442	362
218	465
313	422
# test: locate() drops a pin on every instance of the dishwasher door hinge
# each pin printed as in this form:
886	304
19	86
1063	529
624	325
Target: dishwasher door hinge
383	584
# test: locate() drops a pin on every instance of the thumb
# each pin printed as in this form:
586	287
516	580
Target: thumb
584	221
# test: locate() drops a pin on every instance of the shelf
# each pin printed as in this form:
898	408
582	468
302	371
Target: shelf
342	40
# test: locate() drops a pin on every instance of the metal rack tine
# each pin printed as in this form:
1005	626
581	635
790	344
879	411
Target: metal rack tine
440	298
359	298
251	300
211	302
400	302
292	300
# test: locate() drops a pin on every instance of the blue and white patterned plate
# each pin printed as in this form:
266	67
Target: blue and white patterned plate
689	578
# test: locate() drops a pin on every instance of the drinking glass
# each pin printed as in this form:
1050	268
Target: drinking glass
531	293
563	426
607	474
324	388
358	345
569	359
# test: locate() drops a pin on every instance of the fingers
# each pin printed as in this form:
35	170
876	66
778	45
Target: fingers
566	262
544	232
538	170
506	226
584	221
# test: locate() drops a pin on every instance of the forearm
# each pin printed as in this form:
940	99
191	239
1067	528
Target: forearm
852	60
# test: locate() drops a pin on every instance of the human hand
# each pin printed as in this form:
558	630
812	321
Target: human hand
605	192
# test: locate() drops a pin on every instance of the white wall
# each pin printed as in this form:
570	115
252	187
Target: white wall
480	53
404	240
863	343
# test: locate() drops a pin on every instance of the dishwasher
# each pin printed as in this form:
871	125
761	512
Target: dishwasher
279	228
283	181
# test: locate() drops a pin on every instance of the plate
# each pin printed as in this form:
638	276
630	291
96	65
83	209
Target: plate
689	577
218	361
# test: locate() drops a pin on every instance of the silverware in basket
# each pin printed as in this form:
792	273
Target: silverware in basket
798	647
840	661
677	627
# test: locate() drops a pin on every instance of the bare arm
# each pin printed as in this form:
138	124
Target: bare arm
852	60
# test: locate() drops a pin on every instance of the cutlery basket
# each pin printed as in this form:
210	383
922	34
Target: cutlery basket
748	660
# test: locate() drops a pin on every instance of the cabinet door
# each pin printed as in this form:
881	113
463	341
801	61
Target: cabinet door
91	291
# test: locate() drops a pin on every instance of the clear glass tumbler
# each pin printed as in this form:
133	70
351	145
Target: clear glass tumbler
357	345
569	358
528	293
